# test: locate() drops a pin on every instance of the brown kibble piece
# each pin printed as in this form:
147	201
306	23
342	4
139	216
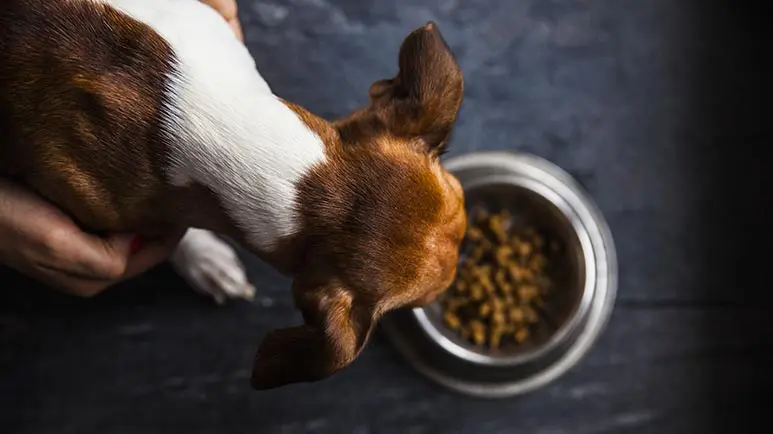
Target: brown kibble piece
504	253
495	339
487	284
497	226
510	299
527	292
498	318
476	292
537	262
501	280
521	335
452	321
524	249
478	332
485	310
481	217
517	315
475	234
461	286
477	325
530	315
519	273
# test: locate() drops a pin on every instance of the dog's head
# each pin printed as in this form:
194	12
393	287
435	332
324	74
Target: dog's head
382	218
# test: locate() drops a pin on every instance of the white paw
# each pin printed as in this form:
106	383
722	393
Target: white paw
211	266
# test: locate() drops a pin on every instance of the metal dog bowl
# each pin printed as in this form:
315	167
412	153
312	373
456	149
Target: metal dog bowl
539	192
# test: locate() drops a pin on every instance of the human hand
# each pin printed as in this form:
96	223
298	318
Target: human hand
40	241
228	9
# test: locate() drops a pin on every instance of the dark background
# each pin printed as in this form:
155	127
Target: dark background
654	105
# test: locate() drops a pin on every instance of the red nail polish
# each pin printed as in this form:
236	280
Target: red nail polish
136	244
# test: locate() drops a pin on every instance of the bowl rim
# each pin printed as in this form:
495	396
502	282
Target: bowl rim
580	309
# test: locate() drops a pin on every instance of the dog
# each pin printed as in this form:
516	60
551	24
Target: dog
150	115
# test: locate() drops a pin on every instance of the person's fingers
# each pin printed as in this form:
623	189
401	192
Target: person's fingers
90	283
226	8
37	239
230	12
86	256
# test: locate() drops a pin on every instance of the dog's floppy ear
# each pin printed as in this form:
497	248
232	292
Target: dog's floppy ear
423	100
337	327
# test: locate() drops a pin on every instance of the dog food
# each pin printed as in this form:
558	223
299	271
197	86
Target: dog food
498	297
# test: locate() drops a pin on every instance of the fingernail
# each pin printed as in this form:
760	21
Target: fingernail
136	244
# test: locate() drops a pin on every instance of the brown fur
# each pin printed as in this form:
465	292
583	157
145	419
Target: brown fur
80	121
381	220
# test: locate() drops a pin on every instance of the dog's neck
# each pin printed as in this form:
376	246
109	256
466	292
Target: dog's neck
227	131
250	154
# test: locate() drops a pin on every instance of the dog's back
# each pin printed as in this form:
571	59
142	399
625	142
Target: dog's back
60	59
72	72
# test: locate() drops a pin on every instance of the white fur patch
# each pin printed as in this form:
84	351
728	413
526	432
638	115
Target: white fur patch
211	266
228	131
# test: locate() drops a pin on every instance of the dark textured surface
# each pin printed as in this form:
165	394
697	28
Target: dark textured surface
655	106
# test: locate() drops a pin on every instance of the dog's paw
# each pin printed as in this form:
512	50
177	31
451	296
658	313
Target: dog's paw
211	266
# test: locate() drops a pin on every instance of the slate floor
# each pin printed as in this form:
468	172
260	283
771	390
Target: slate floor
655	105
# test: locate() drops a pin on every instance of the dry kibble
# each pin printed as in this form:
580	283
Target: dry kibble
517	315
516	273
476	292
527	292
498	318
500	288
503	255
501	280
521	335
524	249
537	262
453	304
480	218
475	234
478	332
497	226
487	284
478	336
461	286
485	310
452	321
530	315
495	337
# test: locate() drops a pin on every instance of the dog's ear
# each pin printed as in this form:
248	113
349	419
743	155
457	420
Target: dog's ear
337	327
423	100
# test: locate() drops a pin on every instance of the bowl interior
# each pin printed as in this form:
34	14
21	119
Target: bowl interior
567	269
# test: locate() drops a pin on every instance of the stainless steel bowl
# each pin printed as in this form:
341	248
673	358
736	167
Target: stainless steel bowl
542	194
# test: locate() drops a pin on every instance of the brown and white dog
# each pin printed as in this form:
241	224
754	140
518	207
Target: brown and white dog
149	115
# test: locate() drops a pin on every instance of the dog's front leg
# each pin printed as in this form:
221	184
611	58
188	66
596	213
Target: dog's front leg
211	266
